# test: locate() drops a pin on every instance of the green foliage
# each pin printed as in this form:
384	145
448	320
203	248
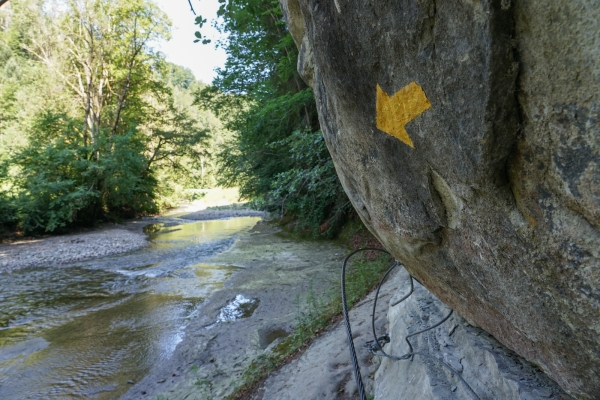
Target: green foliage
180	77
52	176
61	182
277	156
94	124
310	188
8	206
200	140
259	151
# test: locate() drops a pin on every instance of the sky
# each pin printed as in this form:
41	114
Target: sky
202	59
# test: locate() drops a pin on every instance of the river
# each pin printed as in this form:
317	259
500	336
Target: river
95	328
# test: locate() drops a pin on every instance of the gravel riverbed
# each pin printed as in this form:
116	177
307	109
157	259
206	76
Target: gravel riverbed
103	241
57	250
207	214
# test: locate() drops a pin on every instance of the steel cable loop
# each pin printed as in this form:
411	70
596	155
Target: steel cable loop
412	353
376	347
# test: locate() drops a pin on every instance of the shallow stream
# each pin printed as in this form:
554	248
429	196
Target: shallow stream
91	329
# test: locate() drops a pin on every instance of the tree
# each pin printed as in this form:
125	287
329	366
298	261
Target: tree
278	156
95	149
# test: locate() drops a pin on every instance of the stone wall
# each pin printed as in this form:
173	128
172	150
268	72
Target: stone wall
466	135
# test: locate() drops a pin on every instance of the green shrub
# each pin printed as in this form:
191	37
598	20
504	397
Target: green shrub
62	182
277	156
310	189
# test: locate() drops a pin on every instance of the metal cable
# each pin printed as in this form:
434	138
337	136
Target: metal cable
357	376
375	346
411	353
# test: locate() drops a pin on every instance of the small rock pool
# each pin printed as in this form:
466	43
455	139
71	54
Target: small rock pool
91	329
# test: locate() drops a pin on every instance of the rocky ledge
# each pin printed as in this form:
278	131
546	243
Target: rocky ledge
467	136
489	368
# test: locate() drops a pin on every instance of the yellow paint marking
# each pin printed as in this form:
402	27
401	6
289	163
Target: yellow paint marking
394	112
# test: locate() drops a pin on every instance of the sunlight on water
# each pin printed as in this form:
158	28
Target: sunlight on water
240	307
84	331
202	231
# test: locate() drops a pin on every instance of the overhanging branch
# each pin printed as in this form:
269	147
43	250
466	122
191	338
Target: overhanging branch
189	1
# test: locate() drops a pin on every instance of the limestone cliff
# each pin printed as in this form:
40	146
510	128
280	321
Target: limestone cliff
466	134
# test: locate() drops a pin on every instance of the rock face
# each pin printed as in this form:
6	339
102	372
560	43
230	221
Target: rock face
467	135
324	370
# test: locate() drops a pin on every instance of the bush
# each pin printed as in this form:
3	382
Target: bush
62	182
310	190
277	157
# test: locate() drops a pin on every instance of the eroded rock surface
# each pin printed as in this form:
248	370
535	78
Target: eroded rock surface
325	370
243	320
491	194
490	369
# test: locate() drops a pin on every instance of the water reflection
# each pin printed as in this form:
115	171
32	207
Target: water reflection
86	330
199	232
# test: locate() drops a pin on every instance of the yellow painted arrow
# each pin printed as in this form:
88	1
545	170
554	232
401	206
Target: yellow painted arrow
394	112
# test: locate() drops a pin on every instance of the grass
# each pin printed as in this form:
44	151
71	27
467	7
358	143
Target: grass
315	314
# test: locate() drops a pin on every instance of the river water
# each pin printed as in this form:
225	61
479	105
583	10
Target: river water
91	329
